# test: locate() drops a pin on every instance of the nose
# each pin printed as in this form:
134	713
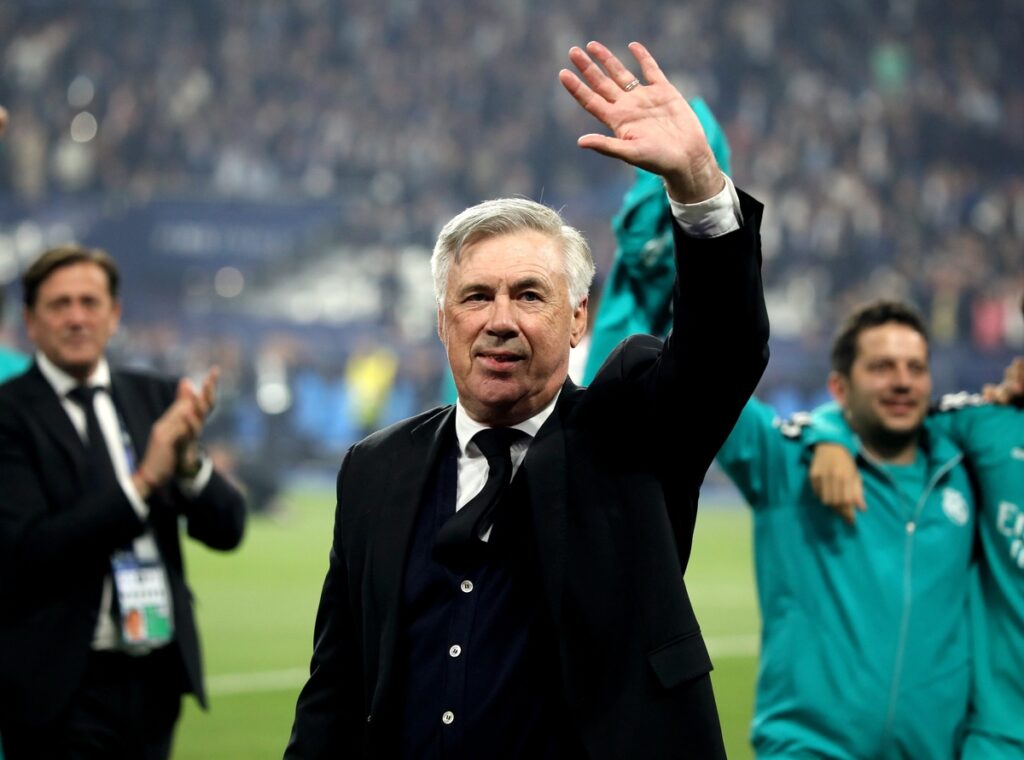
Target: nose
501	321
76	313
902	378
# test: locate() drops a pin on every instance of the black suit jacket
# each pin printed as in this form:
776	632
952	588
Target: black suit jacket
613	477
56	538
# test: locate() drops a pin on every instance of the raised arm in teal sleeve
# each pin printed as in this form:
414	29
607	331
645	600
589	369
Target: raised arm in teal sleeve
754	453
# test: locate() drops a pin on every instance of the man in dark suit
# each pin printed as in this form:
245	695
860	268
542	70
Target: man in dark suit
545	617
98	467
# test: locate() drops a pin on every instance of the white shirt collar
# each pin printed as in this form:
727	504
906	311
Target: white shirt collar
62	382
466	427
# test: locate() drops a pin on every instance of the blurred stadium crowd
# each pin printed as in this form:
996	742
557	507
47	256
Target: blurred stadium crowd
885	136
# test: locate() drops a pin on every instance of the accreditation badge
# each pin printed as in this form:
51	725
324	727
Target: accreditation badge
143	600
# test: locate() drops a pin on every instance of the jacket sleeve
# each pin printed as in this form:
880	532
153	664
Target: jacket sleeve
751	456
718	348
329	720
39	546
827	426
689	389
216	517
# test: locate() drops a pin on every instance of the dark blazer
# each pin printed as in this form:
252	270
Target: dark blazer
56	539
613	477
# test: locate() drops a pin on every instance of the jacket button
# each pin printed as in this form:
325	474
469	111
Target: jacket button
448	718
466	586
369	718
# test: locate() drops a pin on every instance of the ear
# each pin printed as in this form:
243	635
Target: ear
440	324
30	323
839	387
115	317
579	323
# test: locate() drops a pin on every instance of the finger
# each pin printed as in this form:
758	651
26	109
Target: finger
594	75
183	418
858	497
848	515
816	485
192	423
210	386
648	66
609	146
186	390
849	495
1015	382
592	103
616	70
824	491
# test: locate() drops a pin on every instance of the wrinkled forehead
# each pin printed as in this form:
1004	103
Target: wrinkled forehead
526	253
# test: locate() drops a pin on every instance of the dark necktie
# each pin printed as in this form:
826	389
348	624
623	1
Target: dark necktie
101	467
462	530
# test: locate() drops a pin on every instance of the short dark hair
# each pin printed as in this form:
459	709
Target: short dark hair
65	256
844	347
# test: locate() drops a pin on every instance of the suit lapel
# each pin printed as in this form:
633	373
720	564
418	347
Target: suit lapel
407	477
546	470
47	409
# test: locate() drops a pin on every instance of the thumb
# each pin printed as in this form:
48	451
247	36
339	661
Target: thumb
186	390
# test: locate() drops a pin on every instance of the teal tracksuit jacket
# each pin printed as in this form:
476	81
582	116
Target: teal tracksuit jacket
992	439
864	646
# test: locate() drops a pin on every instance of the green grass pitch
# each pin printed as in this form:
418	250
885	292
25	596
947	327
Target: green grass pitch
256	610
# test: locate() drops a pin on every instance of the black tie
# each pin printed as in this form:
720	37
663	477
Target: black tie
101	467
462	530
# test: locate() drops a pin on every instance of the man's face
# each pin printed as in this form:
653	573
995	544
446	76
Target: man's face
886	394
507	326
73	317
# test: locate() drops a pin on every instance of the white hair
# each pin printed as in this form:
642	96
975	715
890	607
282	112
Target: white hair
504	216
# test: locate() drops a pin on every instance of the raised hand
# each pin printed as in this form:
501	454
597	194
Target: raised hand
173	440
652	125
1011	390
201	402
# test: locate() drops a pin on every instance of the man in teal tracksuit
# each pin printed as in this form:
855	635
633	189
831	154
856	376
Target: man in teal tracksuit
992	439
865	643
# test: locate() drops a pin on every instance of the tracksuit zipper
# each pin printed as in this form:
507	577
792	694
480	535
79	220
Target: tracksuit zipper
911	530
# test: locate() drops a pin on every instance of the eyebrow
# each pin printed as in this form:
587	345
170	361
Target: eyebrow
527	283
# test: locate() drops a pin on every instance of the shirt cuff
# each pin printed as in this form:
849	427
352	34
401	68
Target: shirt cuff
714	217
192	487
